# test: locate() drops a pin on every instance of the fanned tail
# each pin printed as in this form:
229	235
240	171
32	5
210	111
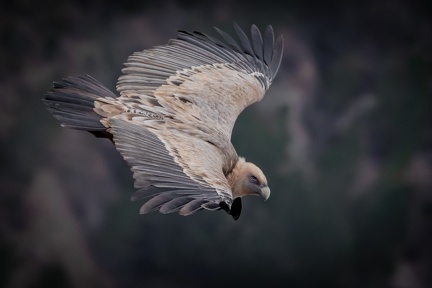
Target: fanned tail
71	101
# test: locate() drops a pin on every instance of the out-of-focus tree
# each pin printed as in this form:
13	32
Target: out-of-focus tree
344	136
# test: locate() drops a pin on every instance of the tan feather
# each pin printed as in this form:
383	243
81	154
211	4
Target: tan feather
174	117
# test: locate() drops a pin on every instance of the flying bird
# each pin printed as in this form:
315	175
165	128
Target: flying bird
173	118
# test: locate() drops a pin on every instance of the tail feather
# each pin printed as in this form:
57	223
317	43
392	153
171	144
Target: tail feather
71	101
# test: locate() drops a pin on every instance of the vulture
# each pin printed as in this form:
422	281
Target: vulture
173	118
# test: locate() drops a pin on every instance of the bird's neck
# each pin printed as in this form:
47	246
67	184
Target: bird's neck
234	179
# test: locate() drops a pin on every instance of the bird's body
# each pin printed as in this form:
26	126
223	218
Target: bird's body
174	117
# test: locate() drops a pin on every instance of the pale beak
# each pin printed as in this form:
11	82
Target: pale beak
265	192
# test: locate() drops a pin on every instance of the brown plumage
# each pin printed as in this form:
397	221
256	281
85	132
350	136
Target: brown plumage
173	119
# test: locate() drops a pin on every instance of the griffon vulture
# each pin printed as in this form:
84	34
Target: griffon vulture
173	119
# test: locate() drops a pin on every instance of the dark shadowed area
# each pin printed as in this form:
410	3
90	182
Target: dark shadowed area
344	136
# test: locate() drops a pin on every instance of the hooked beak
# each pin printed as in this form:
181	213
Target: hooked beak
265	192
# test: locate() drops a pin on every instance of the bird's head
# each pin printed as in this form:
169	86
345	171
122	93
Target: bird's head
250	181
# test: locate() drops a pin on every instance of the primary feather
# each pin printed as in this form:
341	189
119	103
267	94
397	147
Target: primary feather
174	117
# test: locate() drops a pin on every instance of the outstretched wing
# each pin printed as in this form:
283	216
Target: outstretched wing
200	80
159	170
181	101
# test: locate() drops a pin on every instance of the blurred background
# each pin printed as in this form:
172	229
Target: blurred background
344	136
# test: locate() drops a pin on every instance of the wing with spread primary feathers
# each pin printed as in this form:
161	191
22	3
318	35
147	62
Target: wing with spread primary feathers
159	176
200	80
181	101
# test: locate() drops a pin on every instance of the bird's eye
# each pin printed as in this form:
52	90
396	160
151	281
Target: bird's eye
254	180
